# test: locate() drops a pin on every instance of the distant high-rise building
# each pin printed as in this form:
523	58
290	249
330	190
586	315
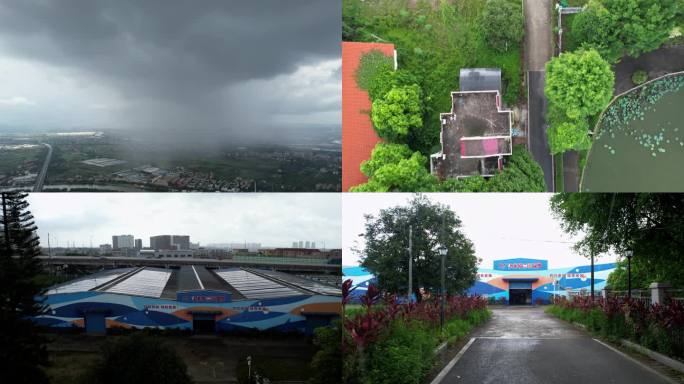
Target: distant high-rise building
170	242
138	244
307	245
122	242
105	249
313	244
194	246
301	244
294	244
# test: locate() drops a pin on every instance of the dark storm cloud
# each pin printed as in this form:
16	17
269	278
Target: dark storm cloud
174	58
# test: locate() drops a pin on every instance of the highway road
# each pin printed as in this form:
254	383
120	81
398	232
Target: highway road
43	172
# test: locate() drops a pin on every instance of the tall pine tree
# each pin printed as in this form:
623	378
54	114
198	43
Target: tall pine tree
22	350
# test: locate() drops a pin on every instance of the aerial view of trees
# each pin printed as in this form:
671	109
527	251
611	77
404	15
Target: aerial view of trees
395	167
397	112
618	27
434	225
433	43
578	86
502	23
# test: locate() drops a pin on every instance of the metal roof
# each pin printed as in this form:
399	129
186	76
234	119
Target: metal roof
89	282
480	79
163	283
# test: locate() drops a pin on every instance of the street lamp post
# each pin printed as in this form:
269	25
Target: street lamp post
410	266
628	254
442	253
592	277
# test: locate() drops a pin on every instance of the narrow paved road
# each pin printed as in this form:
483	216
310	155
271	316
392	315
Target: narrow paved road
571	171
538	50
43	171
525	345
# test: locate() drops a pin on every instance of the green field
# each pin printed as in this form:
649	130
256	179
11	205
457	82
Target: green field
14	161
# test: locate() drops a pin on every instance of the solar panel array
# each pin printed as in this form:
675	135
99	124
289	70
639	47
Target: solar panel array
86	284
255	287
305	283
147	282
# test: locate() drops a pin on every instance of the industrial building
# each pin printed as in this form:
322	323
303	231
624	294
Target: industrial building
192	298
170	242
517	281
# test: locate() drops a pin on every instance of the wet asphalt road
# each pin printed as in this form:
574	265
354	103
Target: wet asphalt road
524	345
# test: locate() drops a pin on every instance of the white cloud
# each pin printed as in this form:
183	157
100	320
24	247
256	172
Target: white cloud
16	101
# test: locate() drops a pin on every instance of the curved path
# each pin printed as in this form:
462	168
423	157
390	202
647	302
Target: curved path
656	63
525	345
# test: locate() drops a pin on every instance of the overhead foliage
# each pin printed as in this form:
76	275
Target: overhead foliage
579	83
394	167
618	27
434	225
502	24
569	135
397	112
649	224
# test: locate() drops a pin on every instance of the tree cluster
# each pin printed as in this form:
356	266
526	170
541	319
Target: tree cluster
651	225
626	27
502	24
578	85
434	225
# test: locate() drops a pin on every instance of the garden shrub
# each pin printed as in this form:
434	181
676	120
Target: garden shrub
402	355
639	77
373	65
396	113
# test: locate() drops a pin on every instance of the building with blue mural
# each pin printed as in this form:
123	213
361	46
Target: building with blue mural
192	298
514	281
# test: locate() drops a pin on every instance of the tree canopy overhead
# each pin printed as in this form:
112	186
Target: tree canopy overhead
649	224
397	112
579	83
434	225
618	27
394	167
502	24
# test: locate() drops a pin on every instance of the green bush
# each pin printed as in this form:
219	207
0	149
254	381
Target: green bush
639	77
327	362
373	65
403	355
397	112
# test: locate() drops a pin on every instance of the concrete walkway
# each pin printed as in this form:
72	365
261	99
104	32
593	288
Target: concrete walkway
525	345
571	171
538	50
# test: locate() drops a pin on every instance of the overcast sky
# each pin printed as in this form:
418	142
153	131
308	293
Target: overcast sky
225	68
501	225
272	219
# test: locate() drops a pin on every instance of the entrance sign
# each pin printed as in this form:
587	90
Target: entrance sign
520	265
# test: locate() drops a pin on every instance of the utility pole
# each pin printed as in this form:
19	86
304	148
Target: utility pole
410	260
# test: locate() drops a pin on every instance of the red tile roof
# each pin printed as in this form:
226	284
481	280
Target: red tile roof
358	136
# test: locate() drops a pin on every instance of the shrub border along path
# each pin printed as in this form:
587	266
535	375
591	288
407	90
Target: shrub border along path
595	131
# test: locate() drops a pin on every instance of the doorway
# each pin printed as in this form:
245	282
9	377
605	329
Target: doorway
520	296
203	324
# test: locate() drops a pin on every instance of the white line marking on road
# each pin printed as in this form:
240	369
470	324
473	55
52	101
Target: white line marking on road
637	362
442	374
524	338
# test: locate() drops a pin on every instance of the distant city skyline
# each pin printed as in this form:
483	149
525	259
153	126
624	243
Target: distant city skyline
270	219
